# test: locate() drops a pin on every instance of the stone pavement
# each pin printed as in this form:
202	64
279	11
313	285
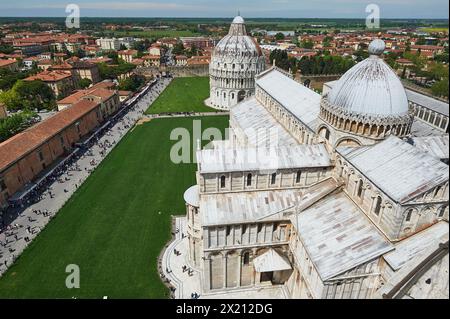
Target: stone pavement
30	220
172	264
185	285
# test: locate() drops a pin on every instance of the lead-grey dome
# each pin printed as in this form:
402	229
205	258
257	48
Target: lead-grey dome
371	88
237	42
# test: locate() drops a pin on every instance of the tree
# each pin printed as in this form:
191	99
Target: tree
29	95
85	83
440	88
279	36
178	49
132	83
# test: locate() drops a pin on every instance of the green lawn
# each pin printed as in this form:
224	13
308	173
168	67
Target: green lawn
156	34
115	225
183	95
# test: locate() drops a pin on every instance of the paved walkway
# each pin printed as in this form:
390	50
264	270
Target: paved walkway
186	284
185	114
30	220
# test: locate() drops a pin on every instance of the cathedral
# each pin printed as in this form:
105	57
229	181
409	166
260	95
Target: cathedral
336	195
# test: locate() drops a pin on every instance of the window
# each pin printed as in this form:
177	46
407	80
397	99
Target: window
408	215
222	181
246	258
249	180
298	177
41	156
377	206
437	191
228	230
327	135
360	188
441	211
273	178
244	229
2	185
259	228
234	65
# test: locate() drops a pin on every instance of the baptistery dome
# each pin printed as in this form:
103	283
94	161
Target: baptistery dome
368	101
235	62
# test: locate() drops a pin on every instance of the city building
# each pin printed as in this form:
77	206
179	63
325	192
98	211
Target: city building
62	83
127	55
10	64
28	155
108	44
235	62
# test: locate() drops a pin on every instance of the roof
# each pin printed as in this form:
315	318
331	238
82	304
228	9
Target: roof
103	94
257	125
399	169
422	242
191	196
255	159
428	102
300	101
417	98
50	76
4	63
437	145
271	260
238	19
338	236
21	144
370	87
246	207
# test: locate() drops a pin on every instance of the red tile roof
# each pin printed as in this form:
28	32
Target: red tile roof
23	143
50	76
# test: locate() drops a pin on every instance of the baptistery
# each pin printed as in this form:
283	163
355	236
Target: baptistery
236	60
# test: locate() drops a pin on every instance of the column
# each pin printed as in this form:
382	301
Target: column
224	260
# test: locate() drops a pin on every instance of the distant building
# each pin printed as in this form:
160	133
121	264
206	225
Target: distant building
181	60
198	42
108	44
152	60
61	82
10	65
127	55
80	69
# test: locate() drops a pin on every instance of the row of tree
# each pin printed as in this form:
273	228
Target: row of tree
320	64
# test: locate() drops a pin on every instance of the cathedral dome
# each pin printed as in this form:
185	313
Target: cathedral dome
370	88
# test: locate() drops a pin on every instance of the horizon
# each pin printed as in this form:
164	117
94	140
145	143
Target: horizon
252	9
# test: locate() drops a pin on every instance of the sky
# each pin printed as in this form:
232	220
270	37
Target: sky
429	9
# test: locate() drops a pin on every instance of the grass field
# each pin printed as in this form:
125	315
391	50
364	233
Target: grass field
183	95
115	225
156	34
435	30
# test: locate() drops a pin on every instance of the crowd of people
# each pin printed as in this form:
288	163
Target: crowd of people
30	212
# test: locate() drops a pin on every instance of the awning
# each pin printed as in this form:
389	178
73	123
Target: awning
271	261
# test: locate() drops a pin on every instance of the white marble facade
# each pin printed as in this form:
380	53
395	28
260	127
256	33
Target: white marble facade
236	60
342	213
